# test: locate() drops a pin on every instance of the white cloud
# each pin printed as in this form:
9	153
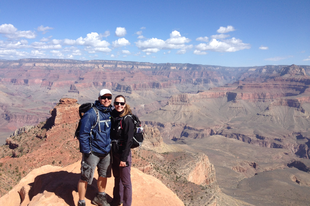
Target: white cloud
227	45
15	45
56	41
43	45
152	45
92	43
220	36
120	42
198	52
181	51
106	34
278	58
7	29
307	59
140	36
11	32
12	53
225	29
57	53
120	31
205	39
126	52
176	41
45	39
44	29
76	52
263	48
69	42
37	53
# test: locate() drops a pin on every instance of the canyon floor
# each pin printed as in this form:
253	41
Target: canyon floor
256	175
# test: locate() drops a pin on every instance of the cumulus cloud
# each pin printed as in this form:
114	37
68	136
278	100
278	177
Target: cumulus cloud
45	39
307	59
37	53
57	53
152	45
198	52
263	48
12	53
227	45
225	29
44	29
106	34
7	29
140	36
220	36
120	42
92	43
120	31
11	32
205	39
126	52
176	41
44	45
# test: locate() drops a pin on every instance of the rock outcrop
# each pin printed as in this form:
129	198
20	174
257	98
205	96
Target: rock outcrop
52	185
52	143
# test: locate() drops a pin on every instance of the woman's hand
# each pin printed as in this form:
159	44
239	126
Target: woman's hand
122	164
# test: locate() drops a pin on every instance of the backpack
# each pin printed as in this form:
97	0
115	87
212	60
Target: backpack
82	110
138	131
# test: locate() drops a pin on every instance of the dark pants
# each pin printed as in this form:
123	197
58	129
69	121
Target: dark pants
122	191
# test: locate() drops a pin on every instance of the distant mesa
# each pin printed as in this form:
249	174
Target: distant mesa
293	70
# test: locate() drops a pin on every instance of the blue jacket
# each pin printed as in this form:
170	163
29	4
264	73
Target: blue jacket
98	141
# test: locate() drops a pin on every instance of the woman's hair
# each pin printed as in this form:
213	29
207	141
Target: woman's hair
127	109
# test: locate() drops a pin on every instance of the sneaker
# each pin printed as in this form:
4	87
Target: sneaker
100	200
81	203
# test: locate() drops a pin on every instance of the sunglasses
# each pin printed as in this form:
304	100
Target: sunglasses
119	103
106	97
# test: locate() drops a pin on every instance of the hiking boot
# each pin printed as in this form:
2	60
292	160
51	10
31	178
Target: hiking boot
100	200
81	203
115	203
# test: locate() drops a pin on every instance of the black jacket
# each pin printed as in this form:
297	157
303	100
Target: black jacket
122	131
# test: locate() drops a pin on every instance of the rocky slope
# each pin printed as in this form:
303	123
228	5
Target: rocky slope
54	185
52	143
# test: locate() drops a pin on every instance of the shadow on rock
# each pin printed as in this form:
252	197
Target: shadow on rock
61	183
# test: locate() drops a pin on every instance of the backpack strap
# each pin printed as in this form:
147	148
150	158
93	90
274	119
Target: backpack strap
128	115
97	121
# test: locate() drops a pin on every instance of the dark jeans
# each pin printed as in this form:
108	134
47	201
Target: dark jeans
122	191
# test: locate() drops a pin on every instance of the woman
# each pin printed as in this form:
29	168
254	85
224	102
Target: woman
122	136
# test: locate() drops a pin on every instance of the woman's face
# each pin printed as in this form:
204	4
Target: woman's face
119	104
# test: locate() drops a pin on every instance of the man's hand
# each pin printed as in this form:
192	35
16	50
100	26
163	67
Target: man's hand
122	164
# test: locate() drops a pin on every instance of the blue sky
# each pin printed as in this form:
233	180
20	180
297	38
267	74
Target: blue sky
209	32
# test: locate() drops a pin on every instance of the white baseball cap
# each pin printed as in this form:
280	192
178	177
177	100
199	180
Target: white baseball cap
104	91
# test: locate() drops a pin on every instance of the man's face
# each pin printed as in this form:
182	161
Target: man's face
105	100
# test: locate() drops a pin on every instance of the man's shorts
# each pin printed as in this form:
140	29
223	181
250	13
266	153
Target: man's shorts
89	164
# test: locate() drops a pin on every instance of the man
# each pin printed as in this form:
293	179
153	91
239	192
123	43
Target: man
95	146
